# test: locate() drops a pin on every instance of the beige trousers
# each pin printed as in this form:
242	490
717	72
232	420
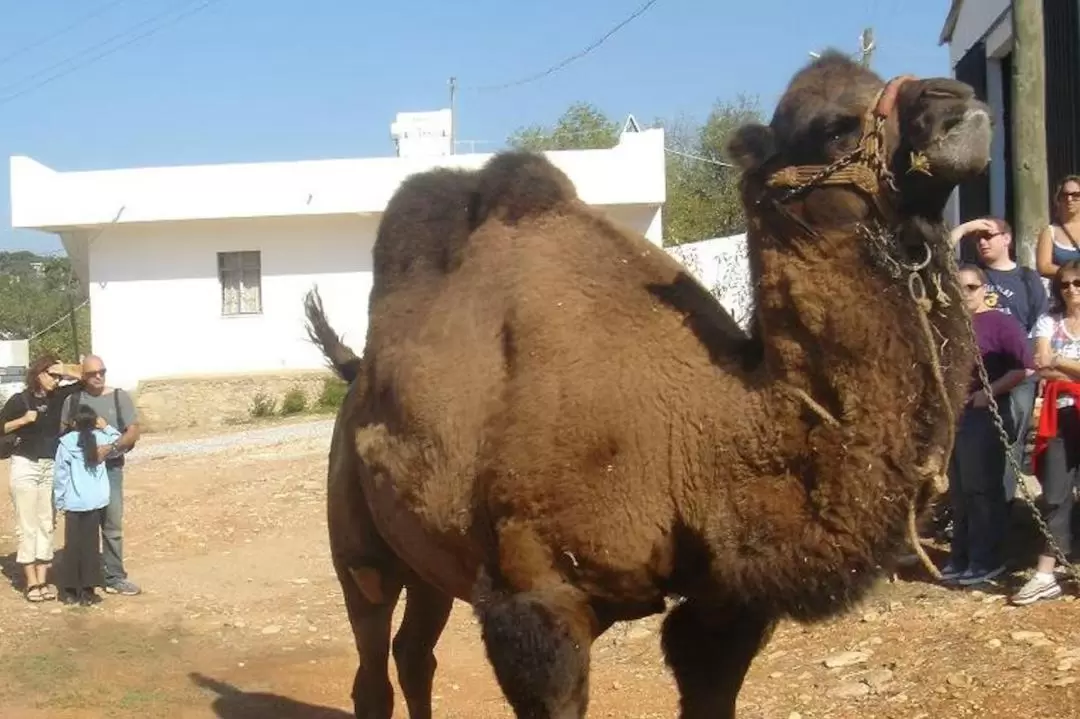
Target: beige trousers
35	518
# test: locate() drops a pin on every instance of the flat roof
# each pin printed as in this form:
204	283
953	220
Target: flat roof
631	173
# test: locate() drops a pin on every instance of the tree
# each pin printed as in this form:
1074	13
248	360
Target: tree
702	192
581	127
36	297
702	195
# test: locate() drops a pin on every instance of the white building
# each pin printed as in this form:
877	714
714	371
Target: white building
980	39
201	270
423	134
721	264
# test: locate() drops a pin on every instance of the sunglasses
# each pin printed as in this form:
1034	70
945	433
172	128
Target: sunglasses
55	375
1070	195
95	373
1075	284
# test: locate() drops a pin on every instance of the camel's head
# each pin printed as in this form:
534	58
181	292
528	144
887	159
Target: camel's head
841	133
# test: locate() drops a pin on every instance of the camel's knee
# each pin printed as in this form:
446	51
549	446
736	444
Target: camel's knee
539	650
370	582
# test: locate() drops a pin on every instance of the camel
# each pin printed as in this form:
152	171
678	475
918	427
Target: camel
555	423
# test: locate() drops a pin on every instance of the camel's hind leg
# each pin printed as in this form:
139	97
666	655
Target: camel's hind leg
426	612
538	643
709	651
370	615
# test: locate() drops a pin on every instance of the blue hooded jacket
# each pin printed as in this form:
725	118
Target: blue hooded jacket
76	487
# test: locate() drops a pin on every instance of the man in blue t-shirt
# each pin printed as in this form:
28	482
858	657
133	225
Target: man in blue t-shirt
1014	290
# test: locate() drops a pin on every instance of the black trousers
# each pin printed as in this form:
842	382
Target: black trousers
81	567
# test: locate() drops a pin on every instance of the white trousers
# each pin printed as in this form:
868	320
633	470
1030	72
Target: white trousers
35	518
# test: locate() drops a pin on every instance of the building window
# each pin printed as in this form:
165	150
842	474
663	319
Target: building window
240	274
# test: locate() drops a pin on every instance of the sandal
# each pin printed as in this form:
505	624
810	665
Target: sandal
33	593
47	593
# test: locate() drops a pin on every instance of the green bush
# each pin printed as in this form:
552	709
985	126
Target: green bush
262	405
294	402
333	394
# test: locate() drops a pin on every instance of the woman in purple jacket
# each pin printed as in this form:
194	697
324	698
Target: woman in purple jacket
976	489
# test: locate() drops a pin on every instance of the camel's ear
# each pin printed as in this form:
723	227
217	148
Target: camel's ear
751	145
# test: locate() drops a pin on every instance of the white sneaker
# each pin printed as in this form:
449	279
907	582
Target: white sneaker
1040	586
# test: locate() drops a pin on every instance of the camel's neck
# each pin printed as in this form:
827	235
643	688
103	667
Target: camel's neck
845	446
833	326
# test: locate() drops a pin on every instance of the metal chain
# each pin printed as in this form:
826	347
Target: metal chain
1021	486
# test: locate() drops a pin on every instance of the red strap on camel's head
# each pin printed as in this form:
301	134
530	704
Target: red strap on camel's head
886	101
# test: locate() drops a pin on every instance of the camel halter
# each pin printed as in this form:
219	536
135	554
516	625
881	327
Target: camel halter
866	167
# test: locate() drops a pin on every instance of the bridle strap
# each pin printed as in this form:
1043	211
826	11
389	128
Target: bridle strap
865	168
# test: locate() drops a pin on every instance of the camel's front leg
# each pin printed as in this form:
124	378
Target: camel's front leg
709	650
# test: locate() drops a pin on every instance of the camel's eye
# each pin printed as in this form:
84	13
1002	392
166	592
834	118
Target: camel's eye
842	130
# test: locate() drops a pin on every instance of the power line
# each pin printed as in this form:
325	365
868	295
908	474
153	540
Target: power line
563	63
699	158
101	55
34	44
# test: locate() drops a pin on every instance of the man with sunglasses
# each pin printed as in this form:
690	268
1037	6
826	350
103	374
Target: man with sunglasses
1015	290
117	408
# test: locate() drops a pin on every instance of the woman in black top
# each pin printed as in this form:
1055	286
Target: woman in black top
32	419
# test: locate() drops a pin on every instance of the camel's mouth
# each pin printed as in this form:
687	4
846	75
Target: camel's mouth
963	150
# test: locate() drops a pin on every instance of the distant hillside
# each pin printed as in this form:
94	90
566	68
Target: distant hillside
37	293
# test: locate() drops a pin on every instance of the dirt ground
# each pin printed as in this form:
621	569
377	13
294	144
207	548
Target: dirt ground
241	618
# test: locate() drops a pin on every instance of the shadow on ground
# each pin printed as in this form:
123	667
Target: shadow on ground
233	703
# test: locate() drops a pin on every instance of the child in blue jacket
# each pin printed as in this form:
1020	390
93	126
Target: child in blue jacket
81	491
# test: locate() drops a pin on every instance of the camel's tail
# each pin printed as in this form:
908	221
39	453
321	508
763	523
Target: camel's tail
342	359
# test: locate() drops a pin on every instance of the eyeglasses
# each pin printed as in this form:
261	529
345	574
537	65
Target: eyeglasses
95	373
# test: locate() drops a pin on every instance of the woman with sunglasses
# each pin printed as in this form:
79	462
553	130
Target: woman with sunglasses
1061	242
1057	440
976	490
31	420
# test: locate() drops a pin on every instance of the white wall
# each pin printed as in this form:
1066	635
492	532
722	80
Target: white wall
977	18
722	266
156	299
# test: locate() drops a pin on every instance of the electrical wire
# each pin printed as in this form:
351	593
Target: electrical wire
563	63
34	44
4	99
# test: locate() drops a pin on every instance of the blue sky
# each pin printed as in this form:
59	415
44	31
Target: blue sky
260	80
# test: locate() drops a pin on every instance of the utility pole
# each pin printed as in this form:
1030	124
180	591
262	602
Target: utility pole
866	47
74	323
453	115
1031	193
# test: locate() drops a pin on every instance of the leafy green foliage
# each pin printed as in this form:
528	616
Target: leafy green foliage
702	197
581	127
332	395
36	292
294	402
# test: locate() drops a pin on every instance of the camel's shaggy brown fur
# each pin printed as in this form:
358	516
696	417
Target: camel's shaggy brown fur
554	422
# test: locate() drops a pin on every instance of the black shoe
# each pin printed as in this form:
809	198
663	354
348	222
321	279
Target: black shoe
69	596
89	597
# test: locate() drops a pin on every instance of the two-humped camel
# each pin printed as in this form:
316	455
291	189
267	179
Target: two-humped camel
554	422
